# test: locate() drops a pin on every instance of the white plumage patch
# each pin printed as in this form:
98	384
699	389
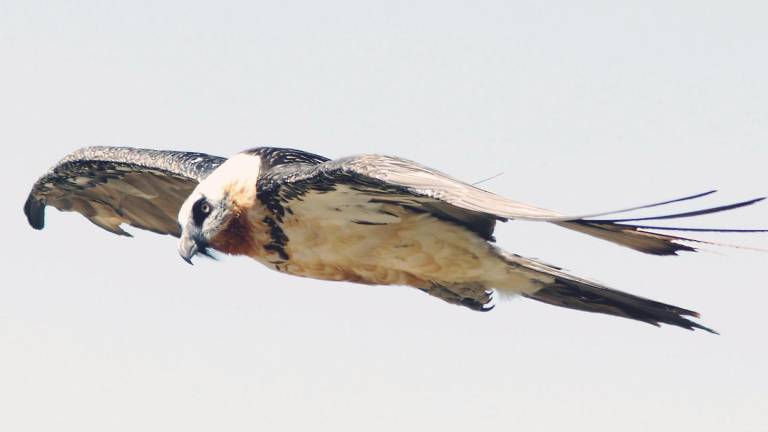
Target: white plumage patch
234	180
369	219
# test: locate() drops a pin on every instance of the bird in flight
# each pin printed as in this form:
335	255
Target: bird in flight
370	219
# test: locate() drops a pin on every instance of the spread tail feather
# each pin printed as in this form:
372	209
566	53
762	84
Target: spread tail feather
641	238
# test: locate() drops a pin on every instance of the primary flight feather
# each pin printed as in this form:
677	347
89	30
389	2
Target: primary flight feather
369	219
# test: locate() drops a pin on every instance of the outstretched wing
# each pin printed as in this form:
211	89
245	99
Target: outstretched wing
358	189
359	184
115	185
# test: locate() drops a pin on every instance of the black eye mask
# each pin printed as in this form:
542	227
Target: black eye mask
200	210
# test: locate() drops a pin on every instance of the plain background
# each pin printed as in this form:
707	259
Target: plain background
584	106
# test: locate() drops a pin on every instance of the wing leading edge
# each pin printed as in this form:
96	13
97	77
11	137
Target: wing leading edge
397	180
115	185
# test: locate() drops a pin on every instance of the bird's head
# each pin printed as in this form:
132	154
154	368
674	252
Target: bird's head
223	196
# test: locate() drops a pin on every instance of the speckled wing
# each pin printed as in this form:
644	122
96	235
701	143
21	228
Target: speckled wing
379	178
426	182
359	188
120	185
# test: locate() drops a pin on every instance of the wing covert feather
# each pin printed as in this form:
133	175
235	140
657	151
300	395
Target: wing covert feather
424	181
410	183
115	185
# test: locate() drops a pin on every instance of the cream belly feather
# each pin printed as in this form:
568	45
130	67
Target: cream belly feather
389	245
368	218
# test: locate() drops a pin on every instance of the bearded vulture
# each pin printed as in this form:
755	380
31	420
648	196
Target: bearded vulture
370	219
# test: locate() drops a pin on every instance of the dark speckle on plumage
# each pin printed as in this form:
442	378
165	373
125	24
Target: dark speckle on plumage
371	219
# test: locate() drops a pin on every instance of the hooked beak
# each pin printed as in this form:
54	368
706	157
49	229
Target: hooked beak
187	247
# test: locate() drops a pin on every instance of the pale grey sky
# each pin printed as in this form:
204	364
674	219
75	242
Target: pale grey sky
585	106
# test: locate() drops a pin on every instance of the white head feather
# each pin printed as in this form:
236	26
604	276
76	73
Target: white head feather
235	181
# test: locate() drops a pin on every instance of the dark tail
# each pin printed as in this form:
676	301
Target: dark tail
587	297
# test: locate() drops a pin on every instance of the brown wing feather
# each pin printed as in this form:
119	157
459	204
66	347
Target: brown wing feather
111	186
478	209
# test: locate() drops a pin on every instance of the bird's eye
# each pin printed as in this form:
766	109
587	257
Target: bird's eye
200	210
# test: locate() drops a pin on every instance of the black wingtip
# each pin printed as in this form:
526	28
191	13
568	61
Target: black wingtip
688	214
34	209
